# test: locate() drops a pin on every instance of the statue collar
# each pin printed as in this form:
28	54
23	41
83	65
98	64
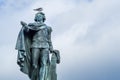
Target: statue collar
42	26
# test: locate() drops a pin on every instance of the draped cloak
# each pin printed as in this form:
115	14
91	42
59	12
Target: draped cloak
23	45
24	55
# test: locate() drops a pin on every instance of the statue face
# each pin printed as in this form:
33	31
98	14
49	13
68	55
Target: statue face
39	17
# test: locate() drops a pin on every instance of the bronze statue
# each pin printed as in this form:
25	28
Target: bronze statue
34	45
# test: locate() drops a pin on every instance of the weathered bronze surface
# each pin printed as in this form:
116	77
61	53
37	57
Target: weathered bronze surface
34	46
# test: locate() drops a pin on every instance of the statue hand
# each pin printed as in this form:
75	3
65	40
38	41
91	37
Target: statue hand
51	49
23	23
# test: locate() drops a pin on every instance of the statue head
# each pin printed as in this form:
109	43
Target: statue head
40	16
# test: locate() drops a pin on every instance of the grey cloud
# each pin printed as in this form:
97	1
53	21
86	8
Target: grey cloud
95	55
98	67
12	6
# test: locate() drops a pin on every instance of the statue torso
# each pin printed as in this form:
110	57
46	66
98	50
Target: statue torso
40	38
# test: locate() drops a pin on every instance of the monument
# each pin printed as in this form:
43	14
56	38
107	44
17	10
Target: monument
34	46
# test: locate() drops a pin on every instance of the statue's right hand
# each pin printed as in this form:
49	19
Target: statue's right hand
23	23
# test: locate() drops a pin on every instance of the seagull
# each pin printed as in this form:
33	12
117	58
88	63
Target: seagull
38	9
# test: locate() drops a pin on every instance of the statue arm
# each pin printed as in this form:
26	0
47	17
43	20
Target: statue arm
34	24
49	39
31	24
27	27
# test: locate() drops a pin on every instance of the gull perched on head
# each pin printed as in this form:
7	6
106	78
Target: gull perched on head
38	9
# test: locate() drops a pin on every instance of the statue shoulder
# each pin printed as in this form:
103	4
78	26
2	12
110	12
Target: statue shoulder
49	28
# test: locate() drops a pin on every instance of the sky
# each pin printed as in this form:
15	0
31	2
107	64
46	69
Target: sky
87	33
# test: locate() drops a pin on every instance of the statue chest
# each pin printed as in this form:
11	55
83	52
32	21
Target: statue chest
42	34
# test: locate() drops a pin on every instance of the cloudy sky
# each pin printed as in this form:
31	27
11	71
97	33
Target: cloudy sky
87	33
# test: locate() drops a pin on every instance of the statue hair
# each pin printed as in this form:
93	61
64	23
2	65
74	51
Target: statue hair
37	16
